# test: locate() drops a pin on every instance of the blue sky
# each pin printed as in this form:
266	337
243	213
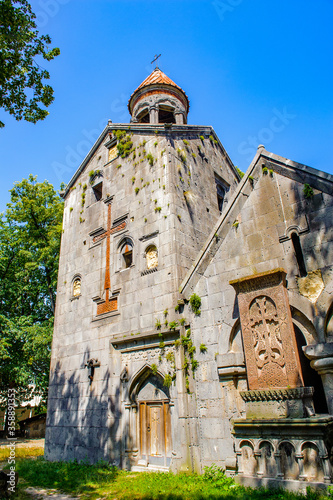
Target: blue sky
258	71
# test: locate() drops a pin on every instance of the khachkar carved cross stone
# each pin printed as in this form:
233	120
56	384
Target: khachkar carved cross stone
269	340
110	303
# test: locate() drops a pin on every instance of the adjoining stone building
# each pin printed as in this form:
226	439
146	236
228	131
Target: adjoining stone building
194	308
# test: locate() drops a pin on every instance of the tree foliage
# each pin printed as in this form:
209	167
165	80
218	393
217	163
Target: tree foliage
30	232
22	79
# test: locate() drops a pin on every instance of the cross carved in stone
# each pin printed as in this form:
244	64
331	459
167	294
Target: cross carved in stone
109	304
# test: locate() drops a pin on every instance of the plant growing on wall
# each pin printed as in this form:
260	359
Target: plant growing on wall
150	159
154	368
189	360
124	143
173	325
240	173
167	380
181	155
195	303
93	174
307	191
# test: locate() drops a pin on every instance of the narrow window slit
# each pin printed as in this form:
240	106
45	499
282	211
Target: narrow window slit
299	254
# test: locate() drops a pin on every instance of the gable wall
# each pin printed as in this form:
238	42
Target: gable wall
273	204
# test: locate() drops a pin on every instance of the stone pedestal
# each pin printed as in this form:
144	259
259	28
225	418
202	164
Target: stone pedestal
279	403
293	449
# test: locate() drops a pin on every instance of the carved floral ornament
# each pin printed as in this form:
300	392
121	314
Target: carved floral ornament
266	333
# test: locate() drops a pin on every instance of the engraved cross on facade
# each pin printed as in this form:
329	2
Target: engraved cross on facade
155	59
110	303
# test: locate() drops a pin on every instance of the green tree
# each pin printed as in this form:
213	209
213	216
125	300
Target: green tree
22	79
30	232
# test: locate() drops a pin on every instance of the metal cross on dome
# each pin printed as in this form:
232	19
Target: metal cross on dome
155	59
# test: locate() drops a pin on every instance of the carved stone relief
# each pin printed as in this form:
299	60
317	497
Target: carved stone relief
145	355
267	343
151	257
113	153
269	340
76	287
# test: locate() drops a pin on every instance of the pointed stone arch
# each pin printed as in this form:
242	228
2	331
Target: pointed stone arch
151	401
140	377
306	334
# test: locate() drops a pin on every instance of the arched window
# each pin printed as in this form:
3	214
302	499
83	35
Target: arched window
221	189
151	257
166	115
126	251
299	254
143	116
76	288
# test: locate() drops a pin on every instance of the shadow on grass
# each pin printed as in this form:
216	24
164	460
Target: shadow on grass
70	477
104	481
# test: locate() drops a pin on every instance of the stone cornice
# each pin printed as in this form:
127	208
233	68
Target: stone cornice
277	394
147	128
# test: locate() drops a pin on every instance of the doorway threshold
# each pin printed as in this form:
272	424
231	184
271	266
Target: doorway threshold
149	468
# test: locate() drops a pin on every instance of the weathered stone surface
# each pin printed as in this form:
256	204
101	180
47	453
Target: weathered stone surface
164	207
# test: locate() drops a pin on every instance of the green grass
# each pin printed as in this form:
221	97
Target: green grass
21	452
104	481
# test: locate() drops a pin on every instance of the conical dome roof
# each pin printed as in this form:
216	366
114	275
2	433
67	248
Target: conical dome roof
157	81
157	76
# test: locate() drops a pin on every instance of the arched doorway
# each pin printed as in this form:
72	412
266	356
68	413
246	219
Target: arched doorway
310	376
153	419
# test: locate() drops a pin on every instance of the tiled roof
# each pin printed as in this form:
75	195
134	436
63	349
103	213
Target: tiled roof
157	76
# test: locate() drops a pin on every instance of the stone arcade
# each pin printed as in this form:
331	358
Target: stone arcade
194	308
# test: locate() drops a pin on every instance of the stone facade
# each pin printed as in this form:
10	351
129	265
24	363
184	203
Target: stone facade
157	215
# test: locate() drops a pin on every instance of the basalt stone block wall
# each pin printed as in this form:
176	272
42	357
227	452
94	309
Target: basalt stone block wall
254	237
162	195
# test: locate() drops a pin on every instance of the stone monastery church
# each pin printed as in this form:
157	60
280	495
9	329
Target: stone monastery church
194	318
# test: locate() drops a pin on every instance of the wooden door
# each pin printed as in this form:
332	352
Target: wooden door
155	433
155	430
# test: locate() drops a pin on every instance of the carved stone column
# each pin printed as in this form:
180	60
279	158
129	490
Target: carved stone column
153	114
277	456
321	356
327	468
179	116
269	341
300	462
